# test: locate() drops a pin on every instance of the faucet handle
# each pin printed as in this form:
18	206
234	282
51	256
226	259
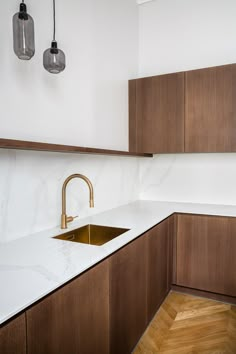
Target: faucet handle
71	218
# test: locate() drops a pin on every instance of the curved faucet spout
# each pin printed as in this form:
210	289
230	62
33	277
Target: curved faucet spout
64	218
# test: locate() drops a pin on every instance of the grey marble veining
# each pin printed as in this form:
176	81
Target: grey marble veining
193	178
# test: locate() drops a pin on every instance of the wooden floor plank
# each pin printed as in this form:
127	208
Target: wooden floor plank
187	324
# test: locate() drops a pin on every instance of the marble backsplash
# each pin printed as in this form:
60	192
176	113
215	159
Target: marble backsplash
31	182
30	188
194	178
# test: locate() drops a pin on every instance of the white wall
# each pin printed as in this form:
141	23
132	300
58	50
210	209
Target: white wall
86	105
178	35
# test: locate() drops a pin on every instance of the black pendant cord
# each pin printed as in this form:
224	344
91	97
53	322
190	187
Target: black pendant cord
54	20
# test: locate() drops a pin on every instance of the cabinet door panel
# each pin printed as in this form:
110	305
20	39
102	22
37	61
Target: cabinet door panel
13	336
210	114
94	310
74	319
206	249
157	114
159	263
128	308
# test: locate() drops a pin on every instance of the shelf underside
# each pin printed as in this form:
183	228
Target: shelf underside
37	146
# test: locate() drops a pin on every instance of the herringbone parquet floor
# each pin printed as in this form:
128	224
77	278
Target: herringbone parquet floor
190	325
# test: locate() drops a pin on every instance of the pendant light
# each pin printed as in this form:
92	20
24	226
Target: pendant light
54	59
23	33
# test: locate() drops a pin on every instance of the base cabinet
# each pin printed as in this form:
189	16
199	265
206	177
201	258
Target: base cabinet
159	264
107	309
140	279
13	336
128	308
74	319
205	253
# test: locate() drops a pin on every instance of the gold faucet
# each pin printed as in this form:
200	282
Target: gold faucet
64	218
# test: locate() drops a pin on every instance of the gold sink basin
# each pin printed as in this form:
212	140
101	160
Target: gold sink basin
92	234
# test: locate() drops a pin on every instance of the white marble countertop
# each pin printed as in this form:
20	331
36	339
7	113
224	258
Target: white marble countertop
33	266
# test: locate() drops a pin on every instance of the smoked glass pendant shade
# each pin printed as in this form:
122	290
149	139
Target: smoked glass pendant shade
23	34
54	60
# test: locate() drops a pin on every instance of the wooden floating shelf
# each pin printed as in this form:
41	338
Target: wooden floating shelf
36	146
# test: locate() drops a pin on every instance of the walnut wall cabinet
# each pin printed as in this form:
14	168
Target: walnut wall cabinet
192	111
157	114
205	253
210	111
